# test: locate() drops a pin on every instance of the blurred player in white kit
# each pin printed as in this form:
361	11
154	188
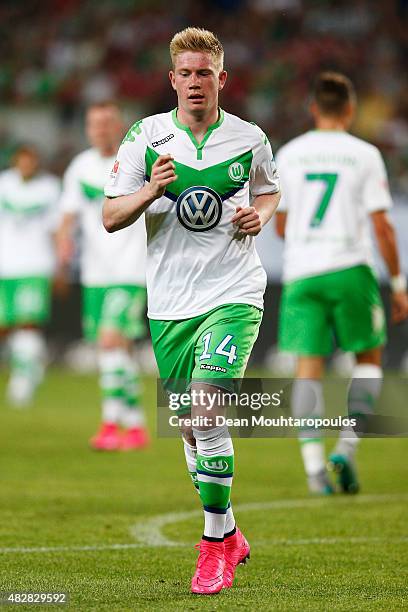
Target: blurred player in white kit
28	219
113	296
334	187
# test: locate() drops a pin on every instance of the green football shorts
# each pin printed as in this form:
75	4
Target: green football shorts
118	307
25	301
342	307
212	347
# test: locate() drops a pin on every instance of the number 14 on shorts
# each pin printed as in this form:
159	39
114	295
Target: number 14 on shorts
223	348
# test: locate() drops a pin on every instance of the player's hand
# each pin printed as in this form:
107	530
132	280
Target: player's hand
399	306
247	220
163	173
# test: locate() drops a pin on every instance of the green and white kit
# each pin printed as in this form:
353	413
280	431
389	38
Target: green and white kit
196	258
28	218
118	307
331	183
112	266
212	346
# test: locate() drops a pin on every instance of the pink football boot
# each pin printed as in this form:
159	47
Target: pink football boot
237	551
134	439
208	578
107	438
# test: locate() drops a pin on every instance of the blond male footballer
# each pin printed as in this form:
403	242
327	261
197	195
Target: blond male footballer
207	183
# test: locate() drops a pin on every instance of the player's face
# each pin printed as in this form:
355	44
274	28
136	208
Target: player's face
197	82
104	128
27	164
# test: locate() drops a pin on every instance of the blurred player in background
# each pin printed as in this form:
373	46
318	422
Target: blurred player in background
112	278
28	219
334	185
205	281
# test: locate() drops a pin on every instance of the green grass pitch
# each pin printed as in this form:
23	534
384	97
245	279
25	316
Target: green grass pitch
117	531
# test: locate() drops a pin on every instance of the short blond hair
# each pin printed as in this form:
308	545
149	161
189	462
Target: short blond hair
197	39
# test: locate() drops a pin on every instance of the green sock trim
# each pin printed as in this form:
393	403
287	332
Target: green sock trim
217	465
214	495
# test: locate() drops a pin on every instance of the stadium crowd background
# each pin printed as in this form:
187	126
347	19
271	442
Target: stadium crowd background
60	55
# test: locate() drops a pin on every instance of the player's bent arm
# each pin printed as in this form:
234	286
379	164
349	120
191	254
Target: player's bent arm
387	244
266	205
122	211
251	220
280	223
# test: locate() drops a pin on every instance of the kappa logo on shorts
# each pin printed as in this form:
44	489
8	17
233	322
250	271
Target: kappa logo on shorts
199	209
215	466
213	368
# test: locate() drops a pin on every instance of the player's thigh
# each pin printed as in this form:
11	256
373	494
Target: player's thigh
173	346
359	318
92	301
224	342
305	318
26	301
123	310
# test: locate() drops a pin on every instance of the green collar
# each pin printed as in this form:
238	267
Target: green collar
198	145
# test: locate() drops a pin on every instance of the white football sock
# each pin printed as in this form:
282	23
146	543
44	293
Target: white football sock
364	390
307	402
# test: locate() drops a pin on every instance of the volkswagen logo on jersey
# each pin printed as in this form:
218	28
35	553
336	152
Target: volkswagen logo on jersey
199	209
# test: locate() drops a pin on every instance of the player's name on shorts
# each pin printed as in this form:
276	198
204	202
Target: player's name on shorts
259	420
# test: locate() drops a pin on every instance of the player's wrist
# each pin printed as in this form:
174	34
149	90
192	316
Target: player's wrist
150	194
398	283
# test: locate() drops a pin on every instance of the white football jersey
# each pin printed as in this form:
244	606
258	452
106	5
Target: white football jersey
28	218
196	258
105	259
331	182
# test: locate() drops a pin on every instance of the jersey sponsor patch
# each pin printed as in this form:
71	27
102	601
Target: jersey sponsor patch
114	173
199	209
157	143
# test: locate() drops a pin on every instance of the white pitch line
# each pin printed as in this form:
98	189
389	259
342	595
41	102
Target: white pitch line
148	533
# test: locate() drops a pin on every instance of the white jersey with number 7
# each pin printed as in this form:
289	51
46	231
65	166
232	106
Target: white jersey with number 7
331	181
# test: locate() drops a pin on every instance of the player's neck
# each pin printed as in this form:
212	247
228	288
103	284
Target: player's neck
330	124
198	123
108	151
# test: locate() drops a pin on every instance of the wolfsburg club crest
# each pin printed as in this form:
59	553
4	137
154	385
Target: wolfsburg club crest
199	209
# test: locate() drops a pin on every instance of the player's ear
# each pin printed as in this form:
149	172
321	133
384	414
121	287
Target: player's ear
172	78
222	77
313	109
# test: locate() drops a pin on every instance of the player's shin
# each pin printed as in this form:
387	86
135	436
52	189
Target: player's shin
190	453
27	353
308	403
112	365
363	392
215	468
133	413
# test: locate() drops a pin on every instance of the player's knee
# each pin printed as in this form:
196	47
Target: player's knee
373	356
111	339
213	441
